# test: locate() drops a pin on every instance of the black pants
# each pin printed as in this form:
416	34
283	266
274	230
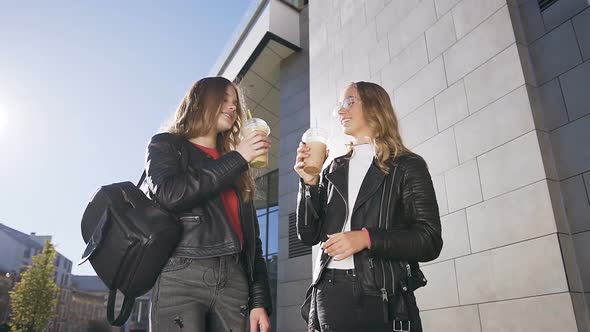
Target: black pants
200	295
341	306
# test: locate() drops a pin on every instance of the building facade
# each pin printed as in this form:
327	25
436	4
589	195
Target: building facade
17	249
88	304
494	94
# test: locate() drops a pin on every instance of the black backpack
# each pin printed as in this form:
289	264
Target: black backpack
129	240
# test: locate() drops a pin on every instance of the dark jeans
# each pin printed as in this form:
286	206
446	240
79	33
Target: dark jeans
200	295
341	306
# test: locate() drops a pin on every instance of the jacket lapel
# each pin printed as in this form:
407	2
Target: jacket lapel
371	183
338	175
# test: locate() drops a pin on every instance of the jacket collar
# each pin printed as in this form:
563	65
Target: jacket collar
338	176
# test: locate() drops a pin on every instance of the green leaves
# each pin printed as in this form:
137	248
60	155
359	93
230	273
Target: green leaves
34	298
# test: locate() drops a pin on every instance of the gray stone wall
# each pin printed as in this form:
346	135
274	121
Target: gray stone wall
460	81
294	275
555	49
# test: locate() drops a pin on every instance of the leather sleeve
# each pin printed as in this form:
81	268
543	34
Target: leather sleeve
311	210
177	188
259	292
422	240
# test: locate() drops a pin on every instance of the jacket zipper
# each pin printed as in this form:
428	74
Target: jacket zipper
307	198
409	272
253	235
372	266
345	204
384	297
253	245
323	266
389	197
384	289
193	218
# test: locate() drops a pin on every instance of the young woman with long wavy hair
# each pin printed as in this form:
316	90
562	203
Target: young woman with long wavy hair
199	170
374	212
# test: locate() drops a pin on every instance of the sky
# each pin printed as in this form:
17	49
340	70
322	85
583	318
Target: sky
83	87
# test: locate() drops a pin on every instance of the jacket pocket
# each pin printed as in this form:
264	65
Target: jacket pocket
192	220
191	225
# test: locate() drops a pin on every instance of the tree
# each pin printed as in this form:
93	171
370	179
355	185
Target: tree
5	286
34	298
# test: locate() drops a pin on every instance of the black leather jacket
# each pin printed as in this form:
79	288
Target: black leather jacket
399	210
186	181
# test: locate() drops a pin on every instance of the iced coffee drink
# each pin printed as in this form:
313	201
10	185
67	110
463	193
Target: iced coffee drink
251	125
316	139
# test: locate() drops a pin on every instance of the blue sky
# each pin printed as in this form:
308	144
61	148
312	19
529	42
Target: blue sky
83	86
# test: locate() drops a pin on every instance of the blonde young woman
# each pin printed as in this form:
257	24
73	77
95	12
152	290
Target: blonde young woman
199	170
375	214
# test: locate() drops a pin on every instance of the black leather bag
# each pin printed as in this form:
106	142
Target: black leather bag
129	240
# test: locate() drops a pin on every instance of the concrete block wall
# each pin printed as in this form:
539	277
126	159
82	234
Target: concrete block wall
460	84
554	47
294	275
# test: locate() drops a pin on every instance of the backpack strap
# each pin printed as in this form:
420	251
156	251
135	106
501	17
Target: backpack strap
141	179
125	309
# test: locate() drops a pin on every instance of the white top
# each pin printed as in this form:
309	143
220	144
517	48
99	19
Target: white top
360	161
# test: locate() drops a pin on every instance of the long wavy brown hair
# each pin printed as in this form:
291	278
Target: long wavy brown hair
380	116
197	115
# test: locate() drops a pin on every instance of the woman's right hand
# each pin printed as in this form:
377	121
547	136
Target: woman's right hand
302	153
254	145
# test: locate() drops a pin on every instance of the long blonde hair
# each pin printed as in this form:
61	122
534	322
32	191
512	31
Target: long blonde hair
380	116
197	115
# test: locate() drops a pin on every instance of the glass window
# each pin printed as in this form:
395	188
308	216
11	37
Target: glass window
263	232
273	231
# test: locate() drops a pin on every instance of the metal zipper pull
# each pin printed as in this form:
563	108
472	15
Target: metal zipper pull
385	306
384	295
307	193
371	263
409	269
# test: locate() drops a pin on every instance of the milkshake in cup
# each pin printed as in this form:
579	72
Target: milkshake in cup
251	125
317	140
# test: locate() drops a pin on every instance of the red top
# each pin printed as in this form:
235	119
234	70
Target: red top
228	197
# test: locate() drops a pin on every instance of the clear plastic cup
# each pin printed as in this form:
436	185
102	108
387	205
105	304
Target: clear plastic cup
251	125
317	140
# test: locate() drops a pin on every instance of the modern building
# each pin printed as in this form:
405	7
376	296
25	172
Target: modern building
494	94
268	55
17	249
87	304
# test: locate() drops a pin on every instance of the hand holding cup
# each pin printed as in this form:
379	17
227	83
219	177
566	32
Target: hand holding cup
256	144
311	154
302	153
